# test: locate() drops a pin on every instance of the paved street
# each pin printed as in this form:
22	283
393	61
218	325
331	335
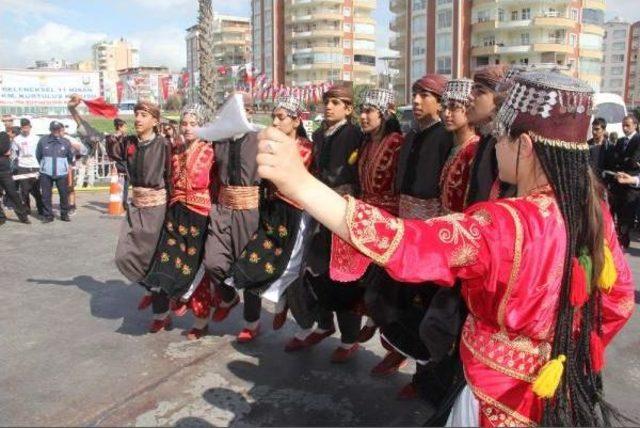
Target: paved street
74	350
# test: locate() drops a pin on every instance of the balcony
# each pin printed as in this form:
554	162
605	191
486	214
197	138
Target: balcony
365	4
554	22
593	29
553	46
594	4
591	53
320	16
315	34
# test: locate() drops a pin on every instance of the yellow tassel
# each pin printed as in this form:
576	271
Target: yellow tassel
353	158
609	275
549	377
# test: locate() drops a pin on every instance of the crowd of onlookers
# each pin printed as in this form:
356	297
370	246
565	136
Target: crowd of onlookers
617	162
31	165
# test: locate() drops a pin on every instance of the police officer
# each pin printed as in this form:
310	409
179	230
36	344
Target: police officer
55	156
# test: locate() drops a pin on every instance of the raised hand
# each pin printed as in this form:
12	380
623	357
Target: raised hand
279	161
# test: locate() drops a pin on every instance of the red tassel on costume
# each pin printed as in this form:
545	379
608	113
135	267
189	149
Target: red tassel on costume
578	294
597	352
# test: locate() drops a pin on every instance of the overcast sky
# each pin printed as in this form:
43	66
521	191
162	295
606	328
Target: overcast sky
41	29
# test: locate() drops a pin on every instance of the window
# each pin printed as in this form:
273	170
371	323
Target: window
617	58
418	47
524	61
573	40
443	42
617	71
444	19
593	16
346	27
418	68
618	45
524	39
364	59
514	15
443	2
620	34
346	75
369	45
346	11
482	61
444	65
365	29
591	41
419	5
346	44
418	25
484	16
575	15
615	82
347	59
501	17
526	14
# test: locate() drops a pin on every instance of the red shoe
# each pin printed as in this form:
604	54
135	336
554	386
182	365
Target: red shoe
221	313
391	363
341	355
247	335
280	318
295	344
408	392
315	338
159	325
179	308
197	333
145	302
367	333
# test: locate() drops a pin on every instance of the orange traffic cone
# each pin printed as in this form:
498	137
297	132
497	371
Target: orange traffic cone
115	196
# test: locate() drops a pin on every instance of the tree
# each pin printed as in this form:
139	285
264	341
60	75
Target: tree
175	102
206	92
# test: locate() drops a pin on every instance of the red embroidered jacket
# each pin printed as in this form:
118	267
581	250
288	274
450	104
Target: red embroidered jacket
192	171
509	255
377	167
454	181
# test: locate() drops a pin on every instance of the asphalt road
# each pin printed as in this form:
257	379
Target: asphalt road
74	350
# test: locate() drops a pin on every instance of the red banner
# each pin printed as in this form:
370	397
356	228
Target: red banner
164	86
119	90
185	79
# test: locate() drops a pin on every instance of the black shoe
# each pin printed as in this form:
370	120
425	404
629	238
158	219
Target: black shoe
2	221
47	220
65	217
24	219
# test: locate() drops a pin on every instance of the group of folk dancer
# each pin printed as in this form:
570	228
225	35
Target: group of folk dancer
496	266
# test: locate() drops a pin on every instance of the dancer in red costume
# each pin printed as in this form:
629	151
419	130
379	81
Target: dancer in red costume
542	274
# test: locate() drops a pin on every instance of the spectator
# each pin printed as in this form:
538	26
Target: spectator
92	139
79	151
55	156
114	141
625	158
27	165
598	145
7	121
6	181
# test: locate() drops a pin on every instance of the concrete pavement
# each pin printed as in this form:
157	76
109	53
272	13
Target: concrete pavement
74	350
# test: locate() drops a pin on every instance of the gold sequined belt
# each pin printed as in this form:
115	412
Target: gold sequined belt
145	197
416	208
239	197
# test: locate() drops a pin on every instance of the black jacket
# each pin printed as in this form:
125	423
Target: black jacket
421	160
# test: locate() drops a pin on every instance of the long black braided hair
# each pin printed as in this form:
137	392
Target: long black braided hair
579	400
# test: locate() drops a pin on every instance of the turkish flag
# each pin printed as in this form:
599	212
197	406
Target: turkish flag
120	90
100	107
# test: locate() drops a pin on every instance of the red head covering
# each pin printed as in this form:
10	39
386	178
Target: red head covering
434	83
342	91
490	76
552	107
